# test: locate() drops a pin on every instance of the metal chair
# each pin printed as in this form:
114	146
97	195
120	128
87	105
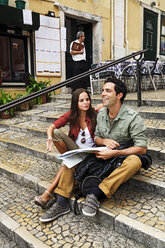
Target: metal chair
99	79
129	75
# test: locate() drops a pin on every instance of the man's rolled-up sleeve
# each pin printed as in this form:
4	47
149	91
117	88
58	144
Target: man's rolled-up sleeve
137	132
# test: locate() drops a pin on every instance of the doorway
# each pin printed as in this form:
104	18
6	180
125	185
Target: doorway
72	27
150	34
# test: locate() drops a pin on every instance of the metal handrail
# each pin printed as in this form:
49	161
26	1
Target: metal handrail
66	82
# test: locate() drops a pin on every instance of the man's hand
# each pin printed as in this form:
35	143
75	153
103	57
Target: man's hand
49	144
111	144
81	52
105	154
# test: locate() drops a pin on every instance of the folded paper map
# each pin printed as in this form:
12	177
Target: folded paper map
73	157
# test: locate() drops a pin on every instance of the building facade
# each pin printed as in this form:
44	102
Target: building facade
36	40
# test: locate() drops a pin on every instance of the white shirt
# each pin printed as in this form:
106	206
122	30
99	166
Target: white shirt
89	141
78	57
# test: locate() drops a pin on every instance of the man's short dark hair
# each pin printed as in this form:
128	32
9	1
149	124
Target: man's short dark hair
119	86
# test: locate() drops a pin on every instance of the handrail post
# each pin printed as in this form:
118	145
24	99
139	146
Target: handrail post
139	102
139	97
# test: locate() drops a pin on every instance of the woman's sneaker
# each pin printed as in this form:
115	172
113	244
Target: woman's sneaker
91	205
54	212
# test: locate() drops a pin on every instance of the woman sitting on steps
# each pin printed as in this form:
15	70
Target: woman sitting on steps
82	121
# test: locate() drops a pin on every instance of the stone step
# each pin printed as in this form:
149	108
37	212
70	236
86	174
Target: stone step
144	111
140	213
154	121
27	143
36	115
37	145
37	123
97	99
23	166
5	241
149	98
19	219
150	181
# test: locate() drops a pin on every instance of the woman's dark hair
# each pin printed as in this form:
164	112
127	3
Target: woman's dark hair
74	116
119	86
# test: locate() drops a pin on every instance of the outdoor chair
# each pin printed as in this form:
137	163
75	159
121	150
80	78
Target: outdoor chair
97	79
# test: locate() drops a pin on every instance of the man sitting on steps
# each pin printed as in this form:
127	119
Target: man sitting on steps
117	124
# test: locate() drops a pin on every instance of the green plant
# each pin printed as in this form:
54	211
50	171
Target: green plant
20	95
35	86
20	4
6	98
25	105
4	2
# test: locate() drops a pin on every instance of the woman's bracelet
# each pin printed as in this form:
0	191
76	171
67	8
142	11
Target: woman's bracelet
49	139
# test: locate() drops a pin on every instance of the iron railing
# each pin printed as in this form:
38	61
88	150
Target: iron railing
68	81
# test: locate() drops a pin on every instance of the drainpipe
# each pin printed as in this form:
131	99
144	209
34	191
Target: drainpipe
126	28
112	30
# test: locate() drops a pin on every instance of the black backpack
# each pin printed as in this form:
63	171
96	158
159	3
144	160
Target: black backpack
86	186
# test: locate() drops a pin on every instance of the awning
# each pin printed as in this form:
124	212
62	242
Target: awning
14	17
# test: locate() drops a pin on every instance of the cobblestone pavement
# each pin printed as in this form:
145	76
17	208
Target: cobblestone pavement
39	143
144	207
67	231
75	231
148	95
147	208
156	171
52	108
5	242
43	125
151	122
149	109
45	170
155	142
39	128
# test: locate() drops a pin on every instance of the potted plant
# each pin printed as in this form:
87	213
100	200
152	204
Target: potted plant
20	4
35	86
6	98
25	105
4	2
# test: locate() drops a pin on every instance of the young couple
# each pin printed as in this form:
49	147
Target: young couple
116	125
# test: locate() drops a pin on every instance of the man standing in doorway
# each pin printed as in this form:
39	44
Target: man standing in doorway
78	52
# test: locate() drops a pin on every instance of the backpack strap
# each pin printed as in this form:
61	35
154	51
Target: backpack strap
86	186
75	206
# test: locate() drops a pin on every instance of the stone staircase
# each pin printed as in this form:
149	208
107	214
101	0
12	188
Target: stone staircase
135	215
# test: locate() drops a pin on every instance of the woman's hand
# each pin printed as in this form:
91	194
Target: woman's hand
49	135
99	106
49	144
111	144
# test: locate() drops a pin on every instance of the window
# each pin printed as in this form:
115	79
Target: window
12	58
162	36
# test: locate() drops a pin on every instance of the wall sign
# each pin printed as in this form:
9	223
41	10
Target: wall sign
48	48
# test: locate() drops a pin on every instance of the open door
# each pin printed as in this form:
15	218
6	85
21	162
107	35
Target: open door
72	27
